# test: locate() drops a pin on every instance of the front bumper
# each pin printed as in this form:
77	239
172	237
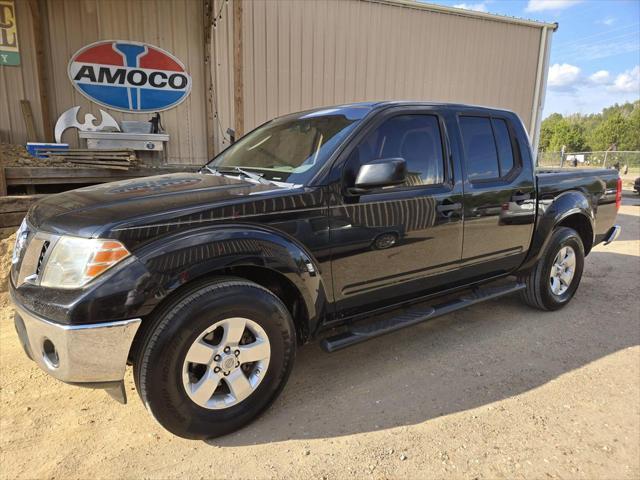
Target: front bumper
84	354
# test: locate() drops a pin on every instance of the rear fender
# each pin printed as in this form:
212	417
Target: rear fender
179	259
551	213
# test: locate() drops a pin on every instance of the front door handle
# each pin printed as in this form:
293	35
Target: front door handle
449	208
520	197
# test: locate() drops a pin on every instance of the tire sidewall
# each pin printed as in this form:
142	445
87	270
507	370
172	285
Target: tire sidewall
160	374
563	237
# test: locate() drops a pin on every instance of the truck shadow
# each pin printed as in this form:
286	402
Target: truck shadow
471	358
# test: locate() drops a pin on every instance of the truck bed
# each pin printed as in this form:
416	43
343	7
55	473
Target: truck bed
592	180
598	185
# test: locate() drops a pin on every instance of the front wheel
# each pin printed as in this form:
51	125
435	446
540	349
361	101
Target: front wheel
215	358
553	281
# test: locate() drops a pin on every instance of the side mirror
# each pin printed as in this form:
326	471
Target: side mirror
380	173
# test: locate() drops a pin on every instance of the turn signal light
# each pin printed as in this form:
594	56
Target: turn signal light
619	194
106	256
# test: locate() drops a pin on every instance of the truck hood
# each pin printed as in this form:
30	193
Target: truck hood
93	211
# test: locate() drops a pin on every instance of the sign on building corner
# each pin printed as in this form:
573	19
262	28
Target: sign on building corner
129	76
9	51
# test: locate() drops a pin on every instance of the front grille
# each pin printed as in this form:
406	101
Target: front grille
43	252
34	257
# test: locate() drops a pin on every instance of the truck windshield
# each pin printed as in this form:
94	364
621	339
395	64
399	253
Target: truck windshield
292	148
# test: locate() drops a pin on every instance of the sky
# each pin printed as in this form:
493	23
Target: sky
595	53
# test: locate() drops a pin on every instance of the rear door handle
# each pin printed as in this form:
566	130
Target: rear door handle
520	197
449	207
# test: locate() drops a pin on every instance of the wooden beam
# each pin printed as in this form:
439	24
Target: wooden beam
27	115
238	83
38	18
208	77
18	203
13	210
7	232
11	219
3	183
61	175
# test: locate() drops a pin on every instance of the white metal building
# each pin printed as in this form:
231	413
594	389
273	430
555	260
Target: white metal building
251	60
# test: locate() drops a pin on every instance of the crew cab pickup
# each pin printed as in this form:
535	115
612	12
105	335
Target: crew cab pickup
338	224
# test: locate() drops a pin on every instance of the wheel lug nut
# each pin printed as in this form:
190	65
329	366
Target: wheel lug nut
227	349
237	352
237	364
216	370
217	358
226	374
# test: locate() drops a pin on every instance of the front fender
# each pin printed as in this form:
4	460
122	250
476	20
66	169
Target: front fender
180	258
551	212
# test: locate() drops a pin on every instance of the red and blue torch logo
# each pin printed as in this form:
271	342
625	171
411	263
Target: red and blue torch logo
129	76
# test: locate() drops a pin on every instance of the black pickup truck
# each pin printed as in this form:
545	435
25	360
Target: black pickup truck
338	224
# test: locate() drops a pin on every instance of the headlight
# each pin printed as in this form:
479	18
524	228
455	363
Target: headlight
74	261
21	239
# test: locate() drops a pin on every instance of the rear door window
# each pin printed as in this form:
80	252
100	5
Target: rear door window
505	150
487	146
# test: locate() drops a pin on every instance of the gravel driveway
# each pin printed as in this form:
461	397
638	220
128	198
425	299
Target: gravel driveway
495	391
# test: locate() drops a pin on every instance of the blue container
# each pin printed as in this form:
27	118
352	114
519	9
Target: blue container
37	149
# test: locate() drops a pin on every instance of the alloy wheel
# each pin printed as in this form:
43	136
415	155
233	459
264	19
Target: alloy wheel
226	363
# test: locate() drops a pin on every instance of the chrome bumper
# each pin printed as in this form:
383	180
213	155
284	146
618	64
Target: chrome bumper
612	234
95	353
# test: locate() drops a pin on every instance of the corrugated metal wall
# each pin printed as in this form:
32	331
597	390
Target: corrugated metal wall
299	55
20	83
174	25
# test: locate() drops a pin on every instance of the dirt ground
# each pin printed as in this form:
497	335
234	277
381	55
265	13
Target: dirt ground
496	391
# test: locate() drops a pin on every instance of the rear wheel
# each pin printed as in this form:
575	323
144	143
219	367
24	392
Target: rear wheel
215	358
553	281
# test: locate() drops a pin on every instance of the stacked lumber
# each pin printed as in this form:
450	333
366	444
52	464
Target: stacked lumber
121	159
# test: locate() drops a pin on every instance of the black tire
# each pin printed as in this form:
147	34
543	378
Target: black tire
538	292
165	342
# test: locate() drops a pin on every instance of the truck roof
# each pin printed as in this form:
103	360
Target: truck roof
408	103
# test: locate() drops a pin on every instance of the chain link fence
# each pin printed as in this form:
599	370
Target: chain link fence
626	162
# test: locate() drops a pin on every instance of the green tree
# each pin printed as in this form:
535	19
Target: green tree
617	124
547	128
631	139
569	134
612	131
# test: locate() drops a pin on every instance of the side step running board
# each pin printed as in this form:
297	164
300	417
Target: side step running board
365	330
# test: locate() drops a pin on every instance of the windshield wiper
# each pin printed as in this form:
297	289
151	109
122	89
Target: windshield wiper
238	170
